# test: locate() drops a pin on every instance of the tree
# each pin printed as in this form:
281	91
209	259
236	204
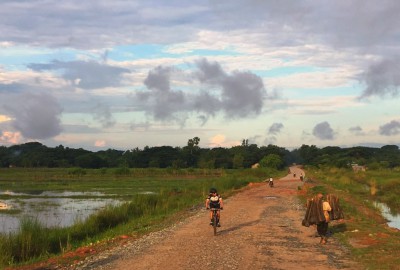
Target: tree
390	154
308	154
89	161
271	161
35	154
245	142
222	158
193	143
192	148
238	161
4	157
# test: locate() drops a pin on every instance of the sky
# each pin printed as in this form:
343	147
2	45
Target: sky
128	74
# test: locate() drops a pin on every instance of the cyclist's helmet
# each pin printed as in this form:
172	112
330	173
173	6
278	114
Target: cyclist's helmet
213	190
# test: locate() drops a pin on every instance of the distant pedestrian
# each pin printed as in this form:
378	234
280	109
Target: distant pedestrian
271	182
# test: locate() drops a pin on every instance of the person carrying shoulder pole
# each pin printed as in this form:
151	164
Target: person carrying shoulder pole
322	226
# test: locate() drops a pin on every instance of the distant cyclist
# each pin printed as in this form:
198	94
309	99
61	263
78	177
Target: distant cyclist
214	200
271	182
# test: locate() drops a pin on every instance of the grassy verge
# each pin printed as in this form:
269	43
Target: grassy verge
175	192
364	231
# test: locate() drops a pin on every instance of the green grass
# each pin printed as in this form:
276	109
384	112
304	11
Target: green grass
364	231
175	191
104	180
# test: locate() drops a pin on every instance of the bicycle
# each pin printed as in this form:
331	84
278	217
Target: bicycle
215	220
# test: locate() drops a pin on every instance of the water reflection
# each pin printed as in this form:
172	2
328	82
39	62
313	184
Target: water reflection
393	219
51	193
51	211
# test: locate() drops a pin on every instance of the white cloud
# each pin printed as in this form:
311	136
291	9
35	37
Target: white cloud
4	118
9	137
300	64
100	143
219	140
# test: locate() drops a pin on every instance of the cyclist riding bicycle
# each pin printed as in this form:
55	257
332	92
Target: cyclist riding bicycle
214	200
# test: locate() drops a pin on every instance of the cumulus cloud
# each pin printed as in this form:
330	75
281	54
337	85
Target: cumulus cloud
206	102
241	93
85	74
220	140
253	139
102	113
390	129
237	95
159	79
162	100
9	137
100	143
35	116
202	119
382	79
275	128
209	72
217	140
323	131
357	130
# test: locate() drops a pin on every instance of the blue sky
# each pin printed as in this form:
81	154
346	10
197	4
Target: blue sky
126	74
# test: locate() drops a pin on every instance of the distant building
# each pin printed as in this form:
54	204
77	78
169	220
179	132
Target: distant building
358	168
4	206
255	166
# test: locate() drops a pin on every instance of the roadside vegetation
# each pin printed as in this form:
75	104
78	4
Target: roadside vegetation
172	194
37	155
160	183
364	231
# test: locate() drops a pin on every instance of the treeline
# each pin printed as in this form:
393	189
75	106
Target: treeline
35	154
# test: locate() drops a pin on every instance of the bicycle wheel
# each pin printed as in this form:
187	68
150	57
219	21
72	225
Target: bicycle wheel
215	222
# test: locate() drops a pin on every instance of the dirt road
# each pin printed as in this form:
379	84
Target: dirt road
261	229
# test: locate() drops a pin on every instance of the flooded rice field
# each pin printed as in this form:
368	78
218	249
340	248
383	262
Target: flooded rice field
52	209
63	209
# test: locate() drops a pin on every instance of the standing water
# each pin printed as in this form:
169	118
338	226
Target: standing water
51	209
393	219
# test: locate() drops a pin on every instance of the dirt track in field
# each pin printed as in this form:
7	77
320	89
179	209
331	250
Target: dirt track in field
261	229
